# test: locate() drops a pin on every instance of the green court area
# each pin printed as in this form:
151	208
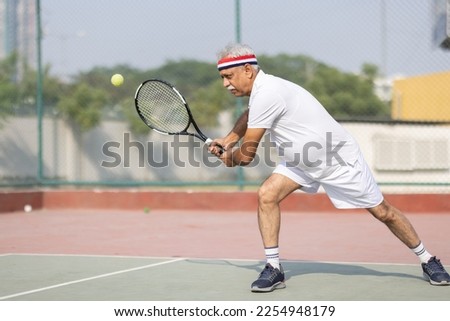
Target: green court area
37	277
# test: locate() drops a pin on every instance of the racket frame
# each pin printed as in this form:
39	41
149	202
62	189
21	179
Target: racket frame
199	134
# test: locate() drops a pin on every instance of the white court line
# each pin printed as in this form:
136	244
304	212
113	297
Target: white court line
299	261
114	256
5	254
88	279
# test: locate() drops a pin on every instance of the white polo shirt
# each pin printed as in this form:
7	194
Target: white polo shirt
315	149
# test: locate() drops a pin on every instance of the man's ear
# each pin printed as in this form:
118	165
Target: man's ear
249	71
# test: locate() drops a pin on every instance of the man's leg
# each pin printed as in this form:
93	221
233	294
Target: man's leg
433	270
397	223
270	194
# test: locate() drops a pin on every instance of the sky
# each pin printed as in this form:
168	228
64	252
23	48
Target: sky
79	35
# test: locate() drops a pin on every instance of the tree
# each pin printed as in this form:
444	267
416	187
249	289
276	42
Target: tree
200	84
83	105
8	88
82	100
207	102
344	95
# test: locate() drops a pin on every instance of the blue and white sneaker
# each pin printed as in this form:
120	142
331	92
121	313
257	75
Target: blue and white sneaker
434	272
270	279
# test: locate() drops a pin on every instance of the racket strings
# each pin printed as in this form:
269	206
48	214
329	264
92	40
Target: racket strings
162	108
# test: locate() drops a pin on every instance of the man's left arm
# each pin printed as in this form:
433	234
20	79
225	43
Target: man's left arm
245	153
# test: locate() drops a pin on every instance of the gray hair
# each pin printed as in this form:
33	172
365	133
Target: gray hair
236	50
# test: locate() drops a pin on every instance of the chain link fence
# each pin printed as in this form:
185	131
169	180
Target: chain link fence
378	66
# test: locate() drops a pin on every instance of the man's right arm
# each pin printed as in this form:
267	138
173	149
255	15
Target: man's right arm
233	137
239	129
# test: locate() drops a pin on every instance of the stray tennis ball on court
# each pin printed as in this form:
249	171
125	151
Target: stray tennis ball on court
146	210
27	208
117	80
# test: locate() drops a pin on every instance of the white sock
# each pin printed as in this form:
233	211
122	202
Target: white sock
273	256
422	253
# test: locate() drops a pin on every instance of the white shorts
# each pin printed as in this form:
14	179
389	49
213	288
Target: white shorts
351	186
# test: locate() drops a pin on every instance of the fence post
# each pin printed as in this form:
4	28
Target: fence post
39	89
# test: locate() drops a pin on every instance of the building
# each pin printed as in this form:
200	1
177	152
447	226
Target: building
18	29
422	98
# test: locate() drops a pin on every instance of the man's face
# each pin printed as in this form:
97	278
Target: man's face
238	80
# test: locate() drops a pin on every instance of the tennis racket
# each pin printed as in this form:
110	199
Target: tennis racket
162	108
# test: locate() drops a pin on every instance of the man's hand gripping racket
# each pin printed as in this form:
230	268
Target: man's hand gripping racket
162	108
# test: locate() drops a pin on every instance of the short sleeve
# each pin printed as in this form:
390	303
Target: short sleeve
265	107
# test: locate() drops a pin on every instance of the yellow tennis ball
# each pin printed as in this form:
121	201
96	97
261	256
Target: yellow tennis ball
117	80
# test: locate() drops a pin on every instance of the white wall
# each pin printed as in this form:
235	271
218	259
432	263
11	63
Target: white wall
71	156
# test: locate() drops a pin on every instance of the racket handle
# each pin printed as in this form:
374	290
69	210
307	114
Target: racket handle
208	141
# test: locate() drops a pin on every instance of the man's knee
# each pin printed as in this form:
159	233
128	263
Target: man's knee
267	195
385	212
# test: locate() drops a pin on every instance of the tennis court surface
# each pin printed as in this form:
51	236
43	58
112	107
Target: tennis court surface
160	255
93	278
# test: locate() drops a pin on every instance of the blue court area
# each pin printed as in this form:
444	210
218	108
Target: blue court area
118	278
